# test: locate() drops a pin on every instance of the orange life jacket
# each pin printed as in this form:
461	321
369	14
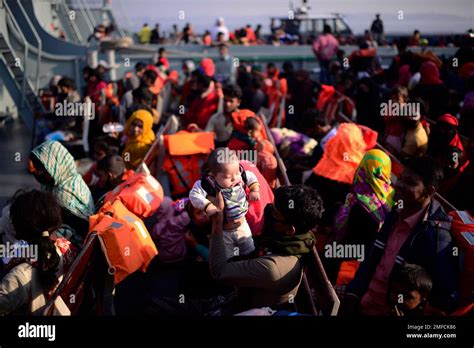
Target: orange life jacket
186	154
462	230
141	193
125	240
238	121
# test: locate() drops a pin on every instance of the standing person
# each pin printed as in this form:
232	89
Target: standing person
377	29
225	67
162	59
220	27
325	48
155	35
144	35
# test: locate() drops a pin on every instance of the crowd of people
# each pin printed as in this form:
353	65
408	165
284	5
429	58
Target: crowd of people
237	238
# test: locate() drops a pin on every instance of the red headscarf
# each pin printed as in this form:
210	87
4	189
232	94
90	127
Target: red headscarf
429	74
207	65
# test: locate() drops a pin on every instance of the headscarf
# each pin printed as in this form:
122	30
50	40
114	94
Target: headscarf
69	188
371	189
455	140
429	74
137	147
207	66
344	152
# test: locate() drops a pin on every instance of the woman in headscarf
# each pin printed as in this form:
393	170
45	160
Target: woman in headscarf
334	173
369	201
54	167
445	145
140	137
432	90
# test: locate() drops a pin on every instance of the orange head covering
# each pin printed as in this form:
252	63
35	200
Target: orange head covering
343	153
147	136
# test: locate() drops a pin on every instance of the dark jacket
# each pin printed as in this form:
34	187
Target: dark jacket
429	245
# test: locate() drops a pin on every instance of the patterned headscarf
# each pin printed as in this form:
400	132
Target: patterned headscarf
69	188
371	188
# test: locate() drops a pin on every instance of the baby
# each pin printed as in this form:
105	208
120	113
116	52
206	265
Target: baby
227	176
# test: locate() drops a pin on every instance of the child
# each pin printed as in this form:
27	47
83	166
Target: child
111	172
33	276
408	290
230	179
253	140
172	230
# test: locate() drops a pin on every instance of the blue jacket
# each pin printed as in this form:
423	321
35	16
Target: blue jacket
429	245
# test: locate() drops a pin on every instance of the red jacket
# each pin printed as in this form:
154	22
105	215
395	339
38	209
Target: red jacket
201	110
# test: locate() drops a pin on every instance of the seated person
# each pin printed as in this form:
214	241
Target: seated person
415	142
30	281
54	168
111	172
416	232
271	280
408	291
172	233
139	138
221	123
104	146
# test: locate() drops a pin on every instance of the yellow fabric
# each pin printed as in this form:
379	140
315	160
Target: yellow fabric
144	35
137	147
342	155
416	142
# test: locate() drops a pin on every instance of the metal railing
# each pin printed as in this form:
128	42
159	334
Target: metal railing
38	39
26	46
76	30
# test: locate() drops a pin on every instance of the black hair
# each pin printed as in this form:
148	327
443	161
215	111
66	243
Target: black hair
327	29
271	65
301	206
143	94
414	277
140	66
312	118
220	156
44	214
112	164
151	75
161	50
429	170
232	91
203	80
67	82
251	123
256	82
108	144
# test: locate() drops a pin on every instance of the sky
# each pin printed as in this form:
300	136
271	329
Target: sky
434	16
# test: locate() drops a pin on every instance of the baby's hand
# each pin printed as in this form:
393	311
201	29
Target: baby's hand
211	210
254	196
